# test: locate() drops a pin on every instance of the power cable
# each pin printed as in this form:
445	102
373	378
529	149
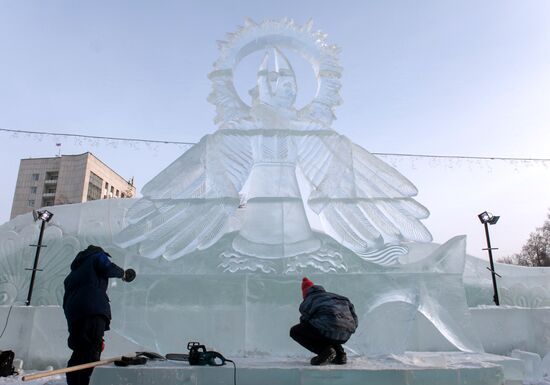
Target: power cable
503	158
7	320
234	371
94	137
6	323
462	157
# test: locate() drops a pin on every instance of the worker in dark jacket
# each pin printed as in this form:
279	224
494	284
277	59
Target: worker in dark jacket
87	309
327	321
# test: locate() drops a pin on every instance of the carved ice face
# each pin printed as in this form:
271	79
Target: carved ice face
276	88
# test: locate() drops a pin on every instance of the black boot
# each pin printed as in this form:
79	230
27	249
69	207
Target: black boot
340	359
324	358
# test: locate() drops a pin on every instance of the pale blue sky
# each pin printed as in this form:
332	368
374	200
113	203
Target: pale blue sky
437	77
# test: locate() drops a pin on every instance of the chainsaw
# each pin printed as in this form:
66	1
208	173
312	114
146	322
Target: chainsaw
198	355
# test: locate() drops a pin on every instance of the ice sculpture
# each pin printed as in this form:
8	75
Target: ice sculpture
244	178
222	236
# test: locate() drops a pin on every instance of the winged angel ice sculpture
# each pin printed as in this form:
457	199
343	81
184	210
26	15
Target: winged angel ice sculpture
274	190
243	180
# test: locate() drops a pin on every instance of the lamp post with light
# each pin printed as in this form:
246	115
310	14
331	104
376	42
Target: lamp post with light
489	219
45	217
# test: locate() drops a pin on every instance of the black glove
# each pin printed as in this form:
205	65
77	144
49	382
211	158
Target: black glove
129	275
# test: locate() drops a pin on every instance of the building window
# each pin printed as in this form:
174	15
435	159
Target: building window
33	191
35	177
31	202
47	202
94	187
52	175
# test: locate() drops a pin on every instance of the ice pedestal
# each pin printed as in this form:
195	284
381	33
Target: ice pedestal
532	364
38	336
33	334
245	313
250	314
451	368
504	328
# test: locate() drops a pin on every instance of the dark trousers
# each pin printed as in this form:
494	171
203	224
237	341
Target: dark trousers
85	340
307	336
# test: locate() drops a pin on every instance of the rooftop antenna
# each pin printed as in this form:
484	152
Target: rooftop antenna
58	145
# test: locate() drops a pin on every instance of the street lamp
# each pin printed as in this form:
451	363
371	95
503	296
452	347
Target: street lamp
45	217
489	219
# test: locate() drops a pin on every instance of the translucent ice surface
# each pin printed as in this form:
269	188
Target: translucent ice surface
273	172
221	238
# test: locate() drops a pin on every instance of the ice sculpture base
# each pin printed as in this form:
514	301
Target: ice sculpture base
250	313
411	368
38	336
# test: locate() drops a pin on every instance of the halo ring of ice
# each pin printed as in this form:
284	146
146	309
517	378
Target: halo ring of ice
253	37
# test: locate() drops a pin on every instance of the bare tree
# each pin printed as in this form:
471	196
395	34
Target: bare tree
536	252
511	259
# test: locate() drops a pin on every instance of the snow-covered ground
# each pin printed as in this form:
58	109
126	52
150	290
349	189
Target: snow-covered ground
15	380
409	368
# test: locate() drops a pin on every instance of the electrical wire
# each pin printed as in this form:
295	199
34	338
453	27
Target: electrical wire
7	319
462	157
234	371
94	137
503	158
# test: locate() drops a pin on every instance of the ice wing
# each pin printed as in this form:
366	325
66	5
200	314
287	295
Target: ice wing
363	202
187	206
229	106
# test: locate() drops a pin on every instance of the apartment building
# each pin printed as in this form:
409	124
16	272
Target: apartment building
66	179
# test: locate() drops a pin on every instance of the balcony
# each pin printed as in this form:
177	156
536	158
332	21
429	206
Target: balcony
48	195
50	181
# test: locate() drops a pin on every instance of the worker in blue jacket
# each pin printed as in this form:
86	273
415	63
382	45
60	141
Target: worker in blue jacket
87	309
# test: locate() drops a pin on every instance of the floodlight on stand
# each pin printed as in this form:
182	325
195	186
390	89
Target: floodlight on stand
484	217
489	219
45	217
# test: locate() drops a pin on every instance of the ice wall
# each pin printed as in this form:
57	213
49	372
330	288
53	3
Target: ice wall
251	313
521	286
194	297
38	336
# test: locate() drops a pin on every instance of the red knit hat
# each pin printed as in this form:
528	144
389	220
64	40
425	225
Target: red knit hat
306	284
